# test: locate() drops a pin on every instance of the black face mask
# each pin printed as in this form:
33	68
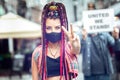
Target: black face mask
53	37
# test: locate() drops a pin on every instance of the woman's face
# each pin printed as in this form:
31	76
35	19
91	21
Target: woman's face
53	25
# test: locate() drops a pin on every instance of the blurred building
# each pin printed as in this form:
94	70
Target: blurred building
74	7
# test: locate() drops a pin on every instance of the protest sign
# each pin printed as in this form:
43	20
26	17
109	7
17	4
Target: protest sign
98	20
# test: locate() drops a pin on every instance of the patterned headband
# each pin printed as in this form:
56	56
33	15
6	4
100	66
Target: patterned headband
53	8
53	12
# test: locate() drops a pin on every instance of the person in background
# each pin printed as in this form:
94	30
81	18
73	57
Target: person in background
3	8
97	64
55	59
116	52
91	6
22	8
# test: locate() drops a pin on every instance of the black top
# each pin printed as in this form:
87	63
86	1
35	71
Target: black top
53	66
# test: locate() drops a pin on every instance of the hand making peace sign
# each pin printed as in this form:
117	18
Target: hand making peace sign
73	39
70	34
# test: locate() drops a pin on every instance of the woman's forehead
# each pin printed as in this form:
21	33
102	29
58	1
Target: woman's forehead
53	22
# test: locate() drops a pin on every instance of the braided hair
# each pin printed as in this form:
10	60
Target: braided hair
54	10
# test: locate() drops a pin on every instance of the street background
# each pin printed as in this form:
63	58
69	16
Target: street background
30	10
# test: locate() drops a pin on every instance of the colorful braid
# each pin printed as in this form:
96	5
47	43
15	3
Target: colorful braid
54	10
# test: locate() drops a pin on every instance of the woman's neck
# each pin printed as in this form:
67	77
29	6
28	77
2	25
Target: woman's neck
54	49
53	45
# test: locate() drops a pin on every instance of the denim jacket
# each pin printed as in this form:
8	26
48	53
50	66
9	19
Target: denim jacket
105	40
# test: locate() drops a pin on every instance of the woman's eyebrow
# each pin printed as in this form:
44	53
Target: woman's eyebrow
58	25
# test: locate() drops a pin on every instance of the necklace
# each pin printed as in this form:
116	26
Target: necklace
51	52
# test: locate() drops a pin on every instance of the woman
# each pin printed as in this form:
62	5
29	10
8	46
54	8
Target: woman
55	59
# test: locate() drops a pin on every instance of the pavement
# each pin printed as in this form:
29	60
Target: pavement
80	75
24	77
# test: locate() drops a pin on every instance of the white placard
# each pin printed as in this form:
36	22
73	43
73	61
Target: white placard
98	20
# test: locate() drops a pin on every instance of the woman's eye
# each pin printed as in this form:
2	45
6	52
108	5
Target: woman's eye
58	27
48	28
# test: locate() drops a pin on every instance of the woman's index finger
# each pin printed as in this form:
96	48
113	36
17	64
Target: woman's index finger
71	31
65	30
